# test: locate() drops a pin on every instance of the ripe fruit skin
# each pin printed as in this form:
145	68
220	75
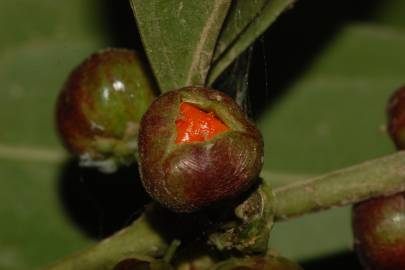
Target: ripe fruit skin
188	176
396	117
101	104
379	230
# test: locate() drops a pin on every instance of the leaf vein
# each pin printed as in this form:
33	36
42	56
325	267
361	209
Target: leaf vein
198	60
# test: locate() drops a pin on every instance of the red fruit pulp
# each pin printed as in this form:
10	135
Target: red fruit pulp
195	125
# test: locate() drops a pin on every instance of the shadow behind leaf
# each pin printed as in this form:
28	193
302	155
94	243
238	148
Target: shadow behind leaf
289	47
101	204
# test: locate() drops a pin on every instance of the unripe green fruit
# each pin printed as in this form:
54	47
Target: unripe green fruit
258	263
379	231
188	176
396	117
100	106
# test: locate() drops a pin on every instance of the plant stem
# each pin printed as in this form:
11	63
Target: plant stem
380	177
171	251
140	240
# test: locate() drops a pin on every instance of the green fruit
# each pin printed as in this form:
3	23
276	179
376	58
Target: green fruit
379	232
188	176
132	264
100	106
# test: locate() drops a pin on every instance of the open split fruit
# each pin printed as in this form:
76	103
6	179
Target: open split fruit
196	147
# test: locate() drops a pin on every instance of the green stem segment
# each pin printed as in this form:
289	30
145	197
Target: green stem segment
380	177
140	240
171	251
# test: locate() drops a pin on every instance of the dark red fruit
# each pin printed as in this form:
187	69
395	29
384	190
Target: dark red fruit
100	106
396	117
221	160
379	232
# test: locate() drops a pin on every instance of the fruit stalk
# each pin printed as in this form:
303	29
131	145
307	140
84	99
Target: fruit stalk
380	177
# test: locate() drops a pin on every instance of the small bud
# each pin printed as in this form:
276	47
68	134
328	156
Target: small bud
100	106
196	147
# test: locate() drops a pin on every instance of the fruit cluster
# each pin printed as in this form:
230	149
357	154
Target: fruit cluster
194	145
195	148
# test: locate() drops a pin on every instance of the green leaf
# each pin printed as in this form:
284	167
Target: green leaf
31	158
240	15
179	38
269	13
39	44
51	19
32	216
332	117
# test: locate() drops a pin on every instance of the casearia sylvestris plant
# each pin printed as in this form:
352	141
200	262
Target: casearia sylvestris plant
241	208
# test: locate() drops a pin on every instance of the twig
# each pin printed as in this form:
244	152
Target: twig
380	177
